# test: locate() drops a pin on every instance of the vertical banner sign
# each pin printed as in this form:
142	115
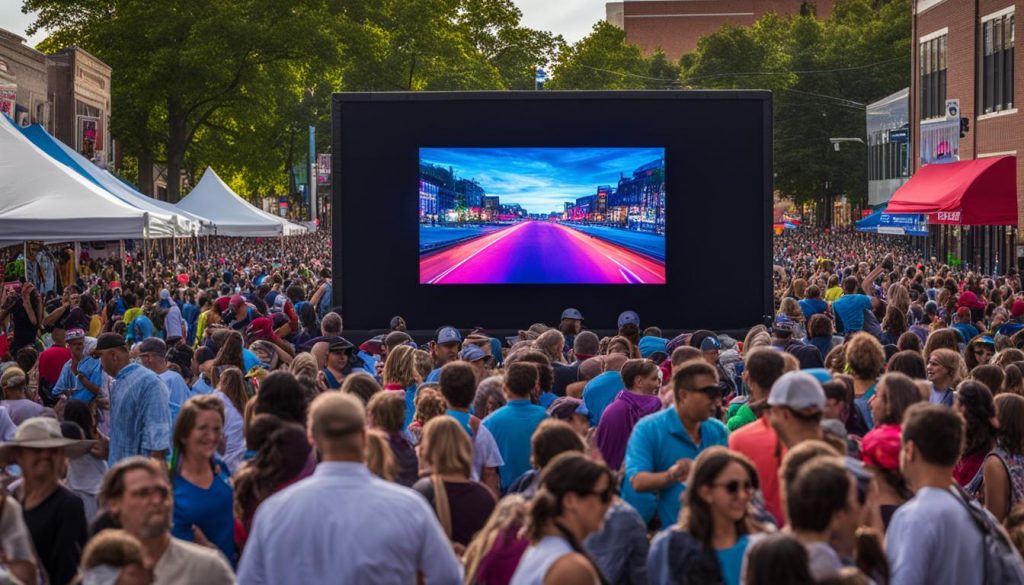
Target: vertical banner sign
311	192
323	169
86	138
8	97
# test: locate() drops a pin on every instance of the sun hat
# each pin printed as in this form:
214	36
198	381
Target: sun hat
41	432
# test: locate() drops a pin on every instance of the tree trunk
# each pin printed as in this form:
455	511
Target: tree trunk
146	173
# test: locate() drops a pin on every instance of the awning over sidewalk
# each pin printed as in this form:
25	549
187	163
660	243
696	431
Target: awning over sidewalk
972	192
883	222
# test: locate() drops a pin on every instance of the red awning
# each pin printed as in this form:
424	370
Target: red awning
970	192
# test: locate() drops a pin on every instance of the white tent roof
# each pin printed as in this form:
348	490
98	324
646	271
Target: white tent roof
41	199
165	220
233	216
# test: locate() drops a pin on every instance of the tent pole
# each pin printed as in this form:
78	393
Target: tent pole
122	256
78	254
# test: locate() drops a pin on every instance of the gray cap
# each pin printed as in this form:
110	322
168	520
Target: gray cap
797	390
571	313
153	345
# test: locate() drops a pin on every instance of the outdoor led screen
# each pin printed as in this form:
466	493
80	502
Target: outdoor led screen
583	215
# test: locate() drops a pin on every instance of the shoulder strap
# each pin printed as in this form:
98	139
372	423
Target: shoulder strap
474	423
444	514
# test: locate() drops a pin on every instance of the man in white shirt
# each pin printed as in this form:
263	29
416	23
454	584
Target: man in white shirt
343	524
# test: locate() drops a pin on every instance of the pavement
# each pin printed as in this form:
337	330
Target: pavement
538	252
647	243
438	236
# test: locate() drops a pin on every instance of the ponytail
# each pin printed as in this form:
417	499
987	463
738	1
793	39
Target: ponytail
544	507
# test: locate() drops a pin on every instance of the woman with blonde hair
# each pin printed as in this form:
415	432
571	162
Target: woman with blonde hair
305	364
495	551
380	460
944	338
945	370
462	505
791	308
361	385
401	375
424	363
430	403
758	336
386	411
231	392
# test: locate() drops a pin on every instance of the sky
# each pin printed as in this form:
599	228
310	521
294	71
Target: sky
572	19
541	179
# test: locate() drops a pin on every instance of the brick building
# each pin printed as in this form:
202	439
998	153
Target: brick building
80	93
965	50
23	79
676	25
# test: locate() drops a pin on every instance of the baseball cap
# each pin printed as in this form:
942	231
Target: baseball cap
710	343
74	334
571	313
260	328
627	317
564	407
449	335
963	313
650	345
472	353
109	341
797	390
881	447
986	340
222	303
165	294
153	345
784	324
1017	309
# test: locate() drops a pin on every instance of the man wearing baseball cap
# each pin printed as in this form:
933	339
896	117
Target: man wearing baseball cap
570	326
444	349
795	407
81	378
140	414
153	354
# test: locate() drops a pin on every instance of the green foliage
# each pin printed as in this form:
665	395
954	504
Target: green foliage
235	84
601	60
822	73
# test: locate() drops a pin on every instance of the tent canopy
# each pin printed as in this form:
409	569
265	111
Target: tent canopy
164	219
41	199
882	222
972	192
233	216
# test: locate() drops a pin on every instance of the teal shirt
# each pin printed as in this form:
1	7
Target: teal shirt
657	442
731	560
512	426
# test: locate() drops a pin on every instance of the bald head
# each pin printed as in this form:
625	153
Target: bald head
337	425
614	361
320	350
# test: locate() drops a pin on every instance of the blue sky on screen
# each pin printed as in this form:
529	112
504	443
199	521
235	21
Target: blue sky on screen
541	179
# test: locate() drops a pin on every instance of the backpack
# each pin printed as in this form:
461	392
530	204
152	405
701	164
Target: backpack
689	562
1001	561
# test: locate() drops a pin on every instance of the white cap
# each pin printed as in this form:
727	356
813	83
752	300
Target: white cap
797	390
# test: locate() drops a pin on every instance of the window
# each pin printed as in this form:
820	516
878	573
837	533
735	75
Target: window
932	65
996	81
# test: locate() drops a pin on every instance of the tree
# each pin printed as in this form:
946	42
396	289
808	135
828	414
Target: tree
601	60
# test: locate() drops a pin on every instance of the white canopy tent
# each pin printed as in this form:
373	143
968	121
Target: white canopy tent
166	220
41	199
232	215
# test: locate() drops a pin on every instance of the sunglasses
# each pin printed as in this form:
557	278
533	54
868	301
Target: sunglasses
147	492
605	496
733	487
712	392
983	352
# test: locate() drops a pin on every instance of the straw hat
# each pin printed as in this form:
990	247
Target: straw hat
42	432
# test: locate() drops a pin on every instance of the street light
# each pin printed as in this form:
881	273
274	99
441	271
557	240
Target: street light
835	142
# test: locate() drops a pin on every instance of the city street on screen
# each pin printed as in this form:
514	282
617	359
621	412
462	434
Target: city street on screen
542	216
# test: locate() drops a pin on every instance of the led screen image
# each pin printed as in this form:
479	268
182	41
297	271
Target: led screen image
542	216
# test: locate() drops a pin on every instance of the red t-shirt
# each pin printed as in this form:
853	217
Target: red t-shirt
965	469
758	441
51	361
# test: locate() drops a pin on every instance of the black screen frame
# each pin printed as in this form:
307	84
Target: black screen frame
717	144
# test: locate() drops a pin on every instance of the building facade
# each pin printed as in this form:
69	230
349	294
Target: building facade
676	25
966	51
888	133
23	83
80	95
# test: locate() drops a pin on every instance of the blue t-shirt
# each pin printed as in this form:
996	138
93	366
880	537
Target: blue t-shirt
249	360
210	509
434	375
92	370
178	390
141	328
812	307
201	386
967	331
657	442
410	405
731	560
512	426
600	392
850	309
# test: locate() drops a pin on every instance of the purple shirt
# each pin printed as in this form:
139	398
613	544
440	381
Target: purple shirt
618	421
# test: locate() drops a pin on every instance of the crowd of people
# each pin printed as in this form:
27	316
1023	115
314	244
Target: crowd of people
210	423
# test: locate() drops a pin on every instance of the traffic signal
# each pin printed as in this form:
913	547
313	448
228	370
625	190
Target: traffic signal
965	126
